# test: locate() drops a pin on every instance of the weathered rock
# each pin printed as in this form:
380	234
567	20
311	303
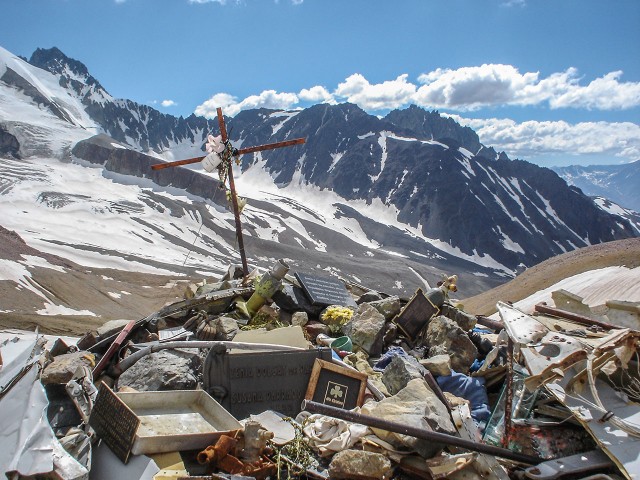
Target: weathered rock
390	333
366	330
9	144
164	370
418	406
464	320
299	319
226	328
400	371
359	465
437	365
63	367
109	328
359	361
369	297
313	329
389	307
445	337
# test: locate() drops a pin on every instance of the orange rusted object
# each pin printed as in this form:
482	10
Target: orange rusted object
224	456
217	452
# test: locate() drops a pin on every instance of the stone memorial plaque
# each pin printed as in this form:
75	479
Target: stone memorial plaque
252	382
325	290
114	422
415	315
336	386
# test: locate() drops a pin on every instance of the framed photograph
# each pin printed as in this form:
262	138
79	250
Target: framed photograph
336	385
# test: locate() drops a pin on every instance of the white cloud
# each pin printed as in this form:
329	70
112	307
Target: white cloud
381	96
222	100
267	99
463	89
514	3
604	93
470	88
221	2
533	138
316	94
168	103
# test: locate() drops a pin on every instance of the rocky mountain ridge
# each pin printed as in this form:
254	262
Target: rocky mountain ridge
618	183
440	192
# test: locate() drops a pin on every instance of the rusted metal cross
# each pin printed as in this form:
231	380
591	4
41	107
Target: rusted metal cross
225	167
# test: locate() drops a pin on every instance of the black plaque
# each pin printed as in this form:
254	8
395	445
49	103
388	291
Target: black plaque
250	383
114	422
415	315
325	290
336	386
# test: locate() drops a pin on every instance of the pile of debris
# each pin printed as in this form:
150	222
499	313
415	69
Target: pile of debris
276	375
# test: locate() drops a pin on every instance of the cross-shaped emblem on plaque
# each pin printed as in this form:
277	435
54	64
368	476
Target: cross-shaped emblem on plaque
220	156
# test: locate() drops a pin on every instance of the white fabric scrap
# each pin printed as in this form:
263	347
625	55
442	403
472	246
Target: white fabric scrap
329	435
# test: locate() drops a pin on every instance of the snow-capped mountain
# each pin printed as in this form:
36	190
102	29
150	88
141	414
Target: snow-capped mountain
618	183
388	203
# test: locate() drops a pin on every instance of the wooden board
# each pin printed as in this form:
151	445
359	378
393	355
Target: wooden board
336	386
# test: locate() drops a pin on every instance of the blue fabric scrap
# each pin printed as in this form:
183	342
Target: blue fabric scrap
469	388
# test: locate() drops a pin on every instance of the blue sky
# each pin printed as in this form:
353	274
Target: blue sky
553	82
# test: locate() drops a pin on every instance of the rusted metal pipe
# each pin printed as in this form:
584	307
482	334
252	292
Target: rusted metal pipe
495	325
574	317
349	416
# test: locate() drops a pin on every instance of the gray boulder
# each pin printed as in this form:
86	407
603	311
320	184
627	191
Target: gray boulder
465	320
359	464
164	370
438	365
445	337
366	330
226	328
400	371
63	367
415	405
299	319
389	307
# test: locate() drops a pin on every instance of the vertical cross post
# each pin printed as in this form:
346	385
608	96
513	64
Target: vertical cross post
234	198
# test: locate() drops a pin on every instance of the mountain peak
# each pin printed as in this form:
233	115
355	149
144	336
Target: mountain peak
55	61
433	126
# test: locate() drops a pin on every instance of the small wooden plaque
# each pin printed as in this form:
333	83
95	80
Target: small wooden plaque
114	422
415	315
335	385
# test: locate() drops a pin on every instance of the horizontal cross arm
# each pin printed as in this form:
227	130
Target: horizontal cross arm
177	163
271	146
242	151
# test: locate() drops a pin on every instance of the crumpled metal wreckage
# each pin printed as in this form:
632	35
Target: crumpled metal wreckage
592	374
596	378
